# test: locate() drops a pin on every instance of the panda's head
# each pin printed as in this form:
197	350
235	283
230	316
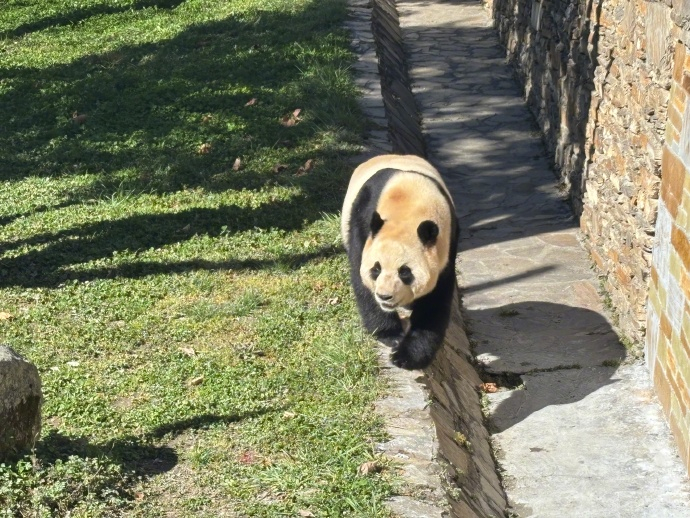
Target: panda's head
401	262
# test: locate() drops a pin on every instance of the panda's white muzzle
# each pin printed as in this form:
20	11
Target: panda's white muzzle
385	302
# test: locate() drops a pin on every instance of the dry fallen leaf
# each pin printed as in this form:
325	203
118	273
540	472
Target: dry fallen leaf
196	381
247	457
308	166
251	102
288	415
188	351
237	164
288	121
4	315
306	514
291	119
488	387
334	301
279	167
205	148
206	118
369	467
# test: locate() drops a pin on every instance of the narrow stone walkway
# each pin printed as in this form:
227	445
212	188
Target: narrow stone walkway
577	429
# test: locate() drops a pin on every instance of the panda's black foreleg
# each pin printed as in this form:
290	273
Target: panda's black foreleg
385	326
428	324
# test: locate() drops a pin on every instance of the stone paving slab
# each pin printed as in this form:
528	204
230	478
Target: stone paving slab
593	453
576	433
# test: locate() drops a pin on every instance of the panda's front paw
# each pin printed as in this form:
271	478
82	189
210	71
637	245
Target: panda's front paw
409	359
416	351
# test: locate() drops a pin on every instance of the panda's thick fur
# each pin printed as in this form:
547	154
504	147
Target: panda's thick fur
400	231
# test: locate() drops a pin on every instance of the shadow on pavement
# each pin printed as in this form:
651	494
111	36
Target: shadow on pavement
550	354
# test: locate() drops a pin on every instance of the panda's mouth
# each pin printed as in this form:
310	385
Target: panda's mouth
387	305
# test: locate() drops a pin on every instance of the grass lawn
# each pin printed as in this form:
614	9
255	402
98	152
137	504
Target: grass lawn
170	259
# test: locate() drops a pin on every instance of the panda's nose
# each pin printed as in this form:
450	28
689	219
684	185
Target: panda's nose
384	297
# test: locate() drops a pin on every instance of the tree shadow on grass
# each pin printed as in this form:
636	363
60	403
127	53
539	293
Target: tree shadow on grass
79	15
141	456
137	270
151	106
46	266
70	472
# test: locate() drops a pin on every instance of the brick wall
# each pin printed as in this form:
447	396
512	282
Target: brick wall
608	81
668	337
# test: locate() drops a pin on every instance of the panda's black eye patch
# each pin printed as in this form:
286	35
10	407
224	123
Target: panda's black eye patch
376	270
405	275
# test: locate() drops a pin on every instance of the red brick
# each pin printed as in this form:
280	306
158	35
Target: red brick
663	389
683	398
680	242
675	118
672	368
678	61
676	391
685	282
677	427
684	343
685	81
672	177
666	328
679	96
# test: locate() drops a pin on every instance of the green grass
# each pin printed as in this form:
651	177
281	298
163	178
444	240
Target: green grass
192	323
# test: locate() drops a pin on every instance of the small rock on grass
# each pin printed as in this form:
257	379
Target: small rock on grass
20	403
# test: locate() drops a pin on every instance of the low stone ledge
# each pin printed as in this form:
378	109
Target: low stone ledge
403	119
474	488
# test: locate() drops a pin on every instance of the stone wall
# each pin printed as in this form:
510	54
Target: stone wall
597	76
608	81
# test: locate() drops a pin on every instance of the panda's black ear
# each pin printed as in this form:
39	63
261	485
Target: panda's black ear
427	232
376	223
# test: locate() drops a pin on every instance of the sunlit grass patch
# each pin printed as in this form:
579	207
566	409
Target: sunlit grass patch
173	268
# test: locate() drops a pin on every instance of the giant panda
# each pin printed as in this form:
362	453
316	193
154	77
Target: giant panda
399	229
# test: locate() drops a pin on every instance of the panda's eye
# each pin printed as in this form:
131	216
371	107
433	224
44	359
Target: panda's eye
405	275
376	270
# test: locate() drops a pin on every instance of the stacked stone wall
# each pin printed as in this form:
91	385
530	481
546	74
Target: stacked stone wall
608	81
597	76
